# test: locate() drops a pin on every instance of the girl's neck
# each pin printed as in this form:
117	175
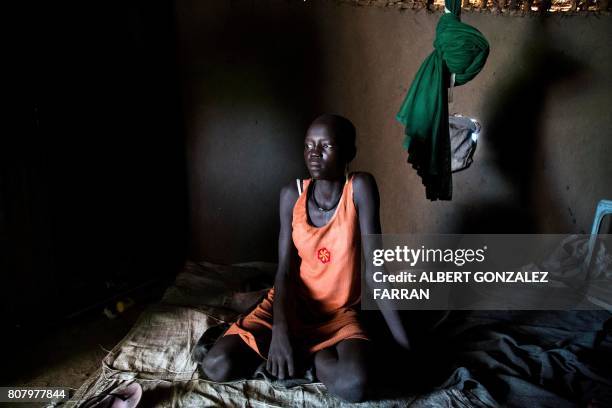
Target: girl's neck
329	188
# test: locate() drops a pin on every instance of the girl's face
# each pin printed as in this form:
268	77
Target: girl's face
322	153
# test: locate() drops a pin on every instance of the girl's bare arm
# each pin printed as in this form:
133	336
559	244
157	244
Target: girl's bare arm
280	357
367	201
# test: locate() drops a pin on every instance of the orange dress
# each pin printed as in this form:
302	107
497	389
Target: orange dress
328	288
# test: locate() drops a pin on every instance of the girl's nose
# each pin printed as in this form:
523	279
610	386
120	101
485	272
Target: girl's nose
314	152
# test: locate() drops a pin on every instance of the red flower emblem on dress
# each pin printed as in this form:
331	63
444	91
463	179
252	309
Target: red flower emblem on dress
324	255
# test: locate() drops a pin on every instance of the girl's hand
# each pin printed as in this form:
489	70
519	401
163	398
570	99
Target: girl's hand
280	357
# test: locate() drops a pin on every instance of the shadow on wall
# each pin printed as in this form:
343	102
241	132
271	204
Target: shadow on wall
513	127
93	193
250	86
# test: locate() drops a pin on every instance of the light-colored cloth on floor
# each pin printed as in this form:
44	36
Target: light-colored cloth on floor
156	353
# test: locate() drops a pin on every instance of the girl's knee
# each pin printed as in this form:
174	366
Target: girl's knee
352	386
325	358
217	366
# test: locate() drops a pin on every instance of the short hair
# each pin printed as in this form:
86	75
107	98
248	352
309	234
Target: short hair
344	132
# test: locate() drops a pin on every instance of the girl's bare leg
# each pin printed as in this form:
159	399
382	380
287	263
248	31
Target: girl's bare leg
229	359
343	369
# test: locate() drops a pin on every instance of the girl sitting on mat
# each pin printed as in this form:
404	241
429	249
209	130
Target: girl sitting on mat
313	309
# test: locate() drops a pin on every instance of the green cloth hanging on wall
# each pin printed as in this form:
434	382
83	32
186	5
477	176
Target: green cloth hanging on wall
460	49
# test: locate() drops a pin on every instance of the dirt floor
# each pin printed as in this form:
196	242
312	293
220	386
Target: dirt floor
69	355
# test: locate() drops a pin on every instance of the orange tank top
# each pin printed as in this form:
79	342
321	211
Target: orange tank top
329	277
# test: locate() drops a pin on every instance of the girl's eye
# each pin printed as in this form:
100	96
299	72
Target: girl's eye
327	146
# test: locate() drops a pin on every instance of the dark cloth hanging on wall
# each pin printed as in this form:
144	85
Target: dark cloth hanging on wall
459	49
464	133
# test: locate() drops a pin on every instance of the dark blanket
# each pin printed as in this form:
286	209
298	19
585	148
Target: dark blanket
514	359
525	358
